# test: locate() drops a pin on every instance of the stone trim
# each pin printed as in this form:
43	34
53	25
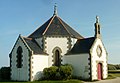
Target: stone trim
30	65
90	64
56	36
100	48
106	67
101	62
69	43
44	44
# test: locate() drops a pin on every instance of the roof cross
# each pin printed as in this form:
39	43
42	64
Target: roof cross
97	19
55	9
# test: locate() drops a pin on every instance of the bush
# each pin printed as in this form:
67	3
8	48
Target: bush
5	73
63	72
111	67
50	73
117	66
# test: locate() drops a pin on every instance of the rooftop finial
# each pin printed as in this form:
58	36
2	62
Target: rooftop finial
55	9
97	19
97	28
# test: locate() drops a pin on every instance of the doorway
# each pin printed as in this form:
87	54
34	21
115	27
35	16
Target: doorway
99	71
57	58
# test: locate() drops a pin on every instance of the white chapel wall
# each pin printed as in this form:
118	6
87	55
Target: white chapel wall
95	59
51	43
80	63
38	63
20	74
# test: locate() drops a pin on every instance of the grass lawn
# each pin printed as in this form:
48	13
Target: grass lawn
113	74
68	81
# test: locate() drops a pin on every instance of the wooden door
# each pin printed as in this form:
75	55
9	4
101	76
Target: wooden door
99	71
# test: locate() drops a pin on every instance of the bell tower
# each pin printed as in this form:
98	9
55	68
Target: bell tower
97	28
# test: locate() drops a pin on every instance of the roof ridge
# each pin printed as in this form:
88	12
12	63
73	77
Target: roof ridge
25	42
39	27
48	25
27	38
64	26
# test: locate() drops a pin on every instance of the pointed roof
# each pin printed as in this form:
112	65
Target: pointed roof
55	26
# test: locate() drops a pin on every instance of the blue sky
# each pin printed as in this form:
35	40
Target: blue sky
24	16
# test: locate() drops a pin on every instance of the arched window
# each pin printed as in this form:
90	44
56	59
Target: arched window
57	59
19	57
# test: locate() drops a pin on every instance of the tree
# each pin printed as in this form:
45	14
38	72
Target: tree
5	73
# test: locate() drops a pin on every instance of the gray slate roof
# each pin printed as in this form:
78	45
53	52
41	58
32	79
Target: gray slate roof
82	46
55	26
34	46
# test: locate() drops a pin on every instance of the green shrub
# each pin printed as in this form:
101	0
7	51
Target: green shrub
117	66
50	73
111	67
5	73
63	72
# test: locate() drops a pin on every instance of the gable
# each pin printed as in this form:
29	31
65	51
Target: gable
30	44
98	43
17	43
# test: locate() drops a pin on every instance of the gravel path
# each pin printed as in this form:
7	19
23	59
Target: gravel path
116	80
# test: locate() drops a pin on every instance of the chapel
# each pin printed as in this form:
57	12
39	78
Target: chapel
55	43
